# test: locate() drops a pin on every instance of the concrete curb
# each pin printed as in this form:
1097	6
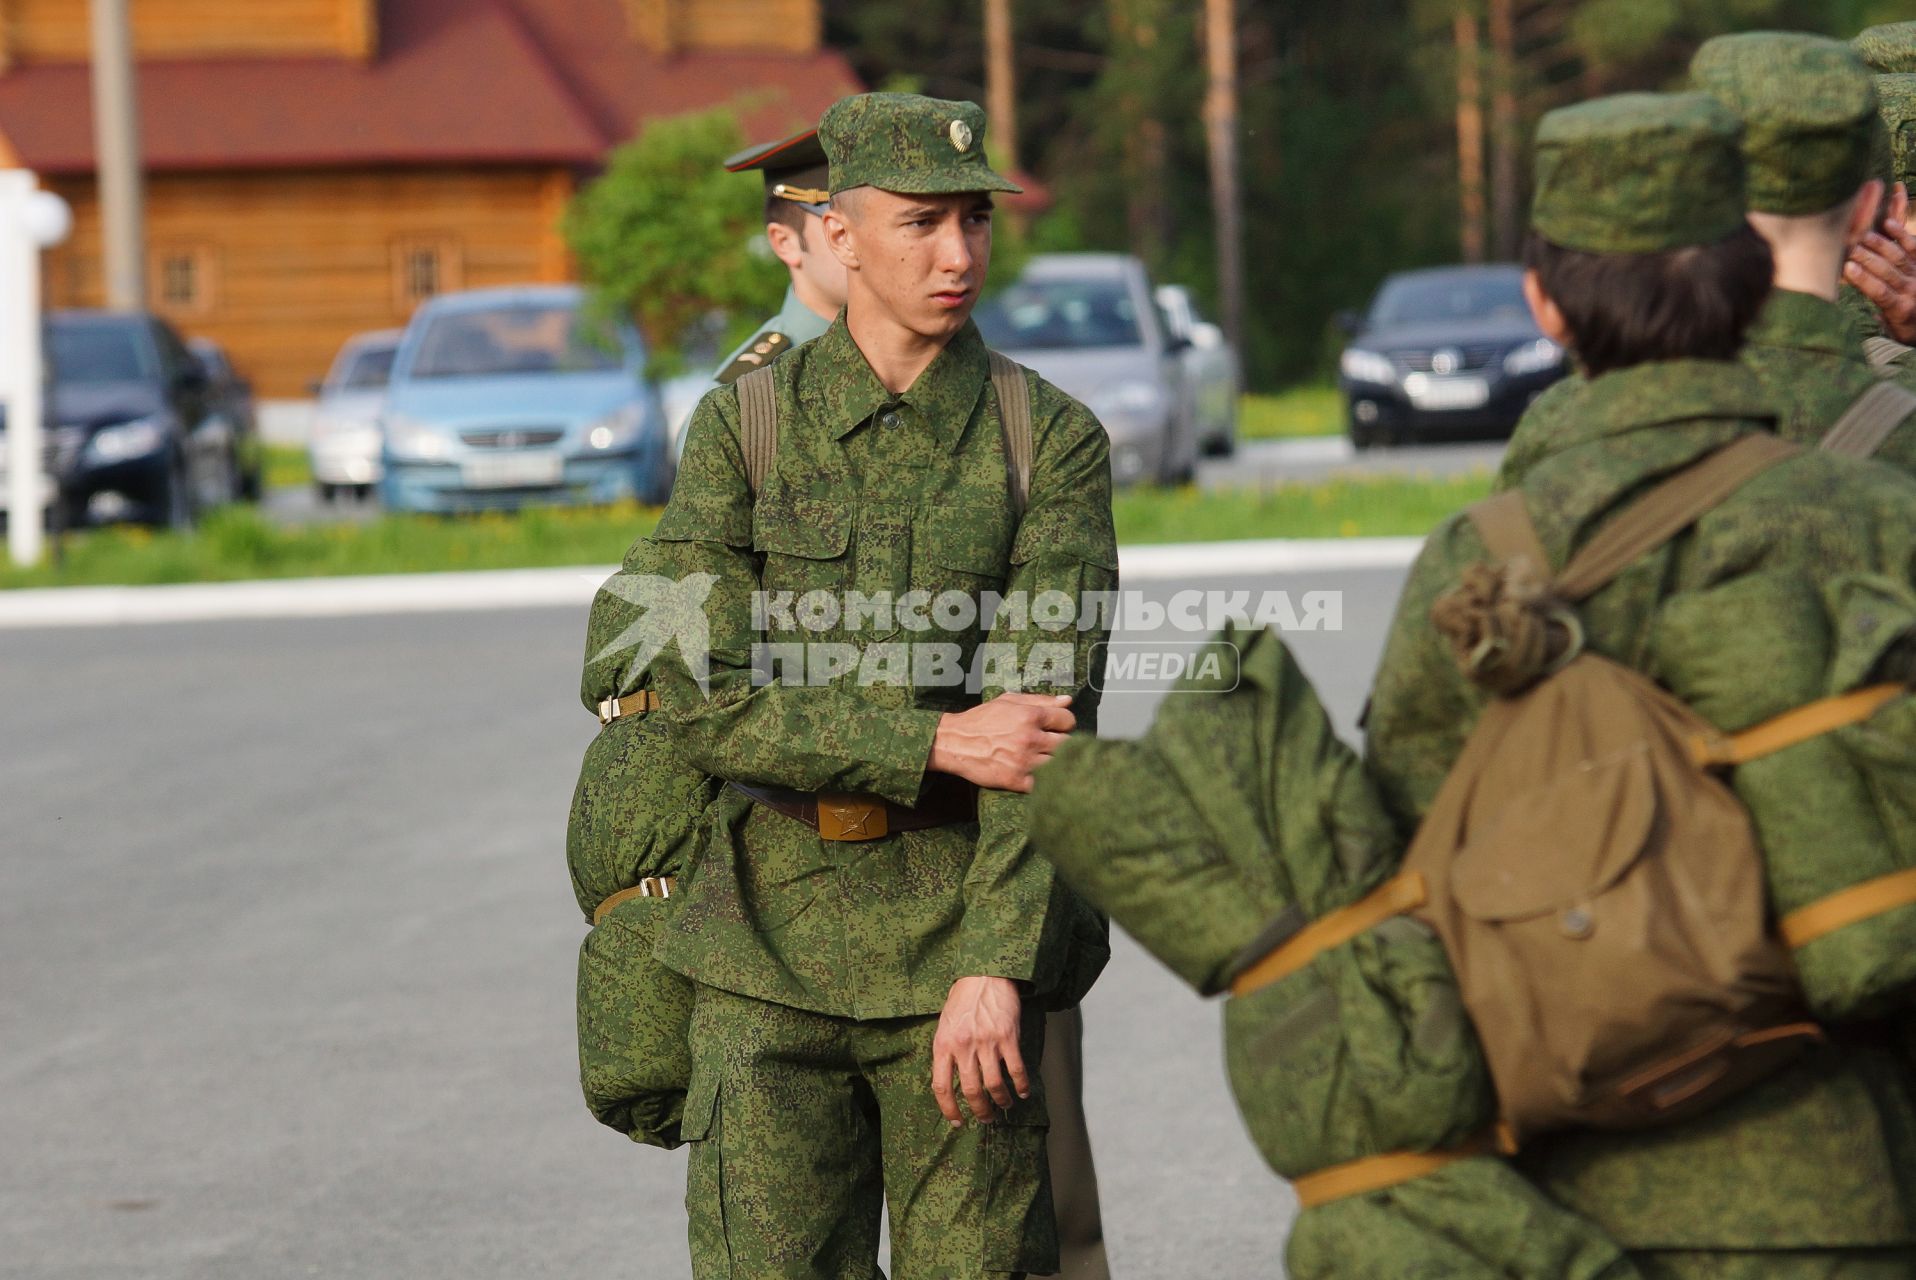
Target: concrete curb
573	587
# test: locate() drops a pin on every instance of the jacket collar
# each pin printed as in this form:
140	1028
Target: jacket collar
841	392
1805	322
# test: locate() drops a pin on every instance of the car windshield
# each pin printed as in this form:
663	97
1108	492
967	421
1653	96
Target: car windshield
97	353
1060	314
1485	295
532	338
367	369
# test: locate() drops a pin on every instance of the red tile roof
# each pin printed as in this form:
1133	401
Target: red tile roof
456	82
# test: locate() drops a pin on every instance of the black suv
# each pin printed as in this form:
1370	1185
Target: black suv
134	428
1450	351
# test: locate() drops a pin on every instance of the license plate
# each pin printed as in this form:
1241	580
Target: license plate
1447	393
513	471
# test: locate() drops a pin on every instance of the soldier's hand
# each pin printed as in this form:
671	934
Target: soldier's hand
1883	269
977	1042
998	743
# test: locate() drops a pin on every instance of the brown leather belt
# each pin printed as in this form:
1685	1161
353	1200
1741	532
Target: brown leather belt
854	815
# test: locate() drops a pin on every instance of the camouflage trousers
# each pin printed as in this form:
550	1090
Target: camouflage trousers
1776	1264
803	1127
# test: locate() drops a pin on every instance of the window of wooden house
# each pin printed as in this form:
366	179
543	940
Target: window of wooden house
183	278
422	269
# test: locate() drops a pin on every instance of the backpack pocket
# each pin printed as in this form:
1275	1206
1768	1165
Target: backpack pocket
635	1017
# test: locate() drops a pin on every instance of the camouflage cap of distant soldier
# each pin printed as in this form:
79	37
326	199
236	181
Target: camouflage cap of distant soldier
794	168
1808	106
1638	173
1896	98
1889	49
909	144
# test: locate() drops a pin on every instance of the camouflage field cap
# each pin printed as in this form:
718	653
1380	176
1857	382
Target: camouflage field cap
1896	98
1890	48
908	143
1808	106
1638	173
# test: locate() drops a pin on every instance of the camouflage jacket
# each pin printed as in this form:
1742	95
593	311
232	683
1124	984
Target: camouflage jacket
1820	1155
1811	363
901	498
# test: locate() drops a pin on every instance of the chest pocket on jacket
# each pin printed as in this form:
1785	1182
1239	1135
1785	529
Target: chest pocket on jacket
806	543
963	548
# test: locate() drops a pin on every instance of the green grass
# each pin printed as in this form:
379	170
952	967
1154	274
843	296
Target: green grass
288	466
1310	410
235	543
1344	507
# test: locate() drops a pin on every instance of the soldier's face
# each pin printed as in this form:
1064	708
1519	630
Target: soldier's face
919	259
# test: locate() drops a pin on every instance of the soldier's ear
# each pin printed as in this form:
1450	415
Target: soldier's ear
785	242
838	236
1544	311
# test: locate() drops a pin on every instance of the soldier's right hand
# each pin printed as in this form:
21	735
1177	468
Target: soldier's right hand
997	744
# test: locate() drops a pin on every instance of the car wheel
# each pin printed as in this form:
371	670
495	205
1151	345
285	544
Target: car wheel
1362	436
325	492
176	502
362	494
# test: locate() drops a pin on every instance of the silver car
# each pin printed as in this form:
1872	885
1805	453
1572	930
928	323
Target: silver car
345	442
1211	373
1087	323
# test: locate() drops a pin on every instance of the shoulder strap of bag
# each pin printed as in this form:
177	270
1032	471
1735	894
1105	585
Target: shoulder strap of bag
1864	426
758	425
1507	530
1882	353
1014	412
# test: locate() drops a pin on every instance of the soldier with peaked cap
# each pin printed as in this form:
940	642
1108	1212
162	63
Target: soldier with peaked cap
1641	262
873	944
1808	107
796	177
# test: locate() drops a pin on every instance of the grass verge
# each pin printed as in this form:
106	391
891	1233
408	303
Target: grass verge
236	543
287	466
1311	410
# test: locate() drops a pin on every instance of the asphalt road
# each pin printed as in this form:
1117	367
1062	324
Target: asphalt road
287	945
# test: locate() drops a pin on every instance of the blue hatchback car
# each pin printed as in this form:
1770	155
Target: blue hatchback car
505	397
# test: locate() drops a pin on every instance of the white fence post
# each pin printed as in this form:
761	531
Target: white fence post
30	220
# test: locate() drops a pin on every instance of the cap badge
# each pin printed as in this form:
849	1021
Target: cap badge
960	135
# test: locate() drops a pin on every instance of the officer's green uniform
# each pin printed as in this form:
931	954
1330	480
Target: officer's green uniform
794	325
1810	1174
821	966
1809	111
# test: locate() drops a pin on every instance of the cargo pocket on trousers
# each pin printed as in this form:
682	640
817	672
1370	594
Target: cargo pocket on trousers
1014	1195
703	1127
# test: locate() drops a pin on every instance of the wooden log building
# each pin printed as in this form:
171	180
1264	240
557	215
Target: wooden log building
316	168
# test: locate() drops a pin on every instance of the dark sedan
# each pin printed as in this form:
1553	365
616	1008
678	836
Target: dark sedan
135	424
1445	353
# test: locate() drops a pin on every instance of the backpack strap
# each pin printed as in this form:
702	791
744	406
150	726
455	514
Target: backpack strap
1883	353
1866	424
1504	524
758	425
1667	510
1014	414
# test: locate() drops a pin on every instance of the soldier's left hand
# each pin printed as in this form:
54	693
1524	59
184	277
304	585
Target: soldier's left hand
977	1032
1883	268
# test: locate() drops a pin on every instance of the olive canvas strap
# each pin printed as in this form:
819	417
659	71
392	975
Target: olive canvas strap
1883	353
1867	423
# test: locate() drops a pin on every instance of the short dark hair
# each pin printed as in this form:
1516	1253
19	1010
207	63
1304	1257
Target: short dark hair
786	213
1693	303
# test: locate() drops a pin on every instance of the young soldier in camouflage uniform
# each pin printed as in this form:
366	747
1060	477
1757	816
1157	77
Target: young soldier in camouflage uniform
1641	263
870	1006
1808	107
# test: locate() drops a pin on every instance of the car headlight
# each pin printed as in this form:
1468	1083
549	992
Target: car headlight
618	428
1128	398
1533	357
128	440
1360	365
414	441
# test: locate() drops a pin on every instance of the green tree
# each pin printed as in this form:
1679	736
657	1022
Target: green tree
666	235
